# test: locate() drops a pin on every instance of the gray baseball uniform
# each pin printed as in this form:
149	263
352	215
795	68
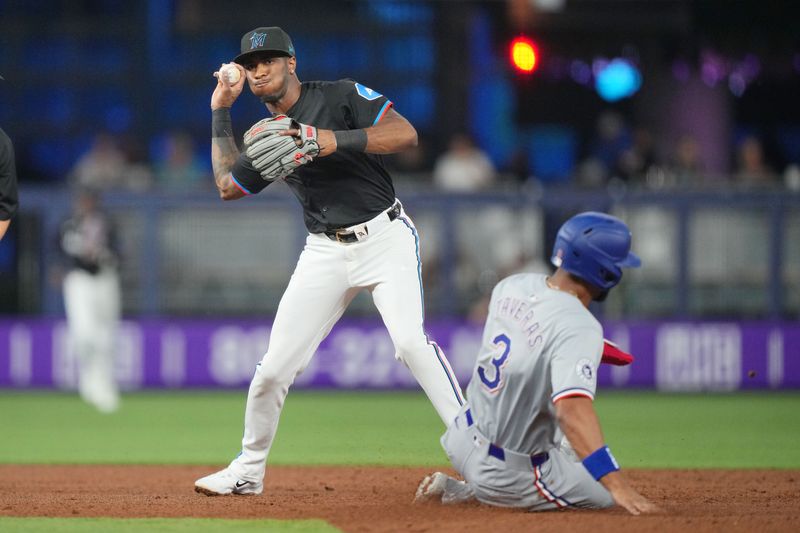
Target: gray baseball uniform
539	345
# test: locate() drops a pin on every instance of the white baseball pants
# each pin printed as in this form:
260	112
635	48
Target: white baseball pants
92	303
327	277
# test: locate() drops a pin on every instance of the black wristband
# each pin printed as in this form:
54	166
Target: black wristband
221	125
351	140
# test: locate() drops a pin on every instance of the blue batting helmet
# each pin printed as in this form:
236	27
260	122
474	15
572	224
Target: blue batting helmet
594	247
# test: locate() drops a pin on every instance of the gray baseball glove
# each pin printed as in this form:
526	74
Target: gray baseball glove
276	156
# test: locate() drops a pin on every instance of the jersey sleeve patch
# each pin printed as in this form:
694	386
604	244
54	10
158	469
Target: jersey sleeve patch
573	391
366	93
382	112
585	371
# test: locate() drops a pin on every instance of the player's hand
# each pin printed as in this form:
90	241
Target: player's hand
225	94
325	138
634	502
277	146
626	496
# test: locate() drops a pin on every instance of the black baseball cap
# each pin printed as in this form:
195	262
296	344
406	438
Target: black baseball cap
270	39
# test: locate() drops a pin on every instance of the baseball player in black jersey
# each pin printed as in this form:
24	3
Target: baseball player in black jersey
92	297
359	234
8	182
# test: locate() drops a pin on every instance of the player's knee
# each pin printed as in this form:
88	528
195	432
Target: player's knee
406	347
270	377
84	348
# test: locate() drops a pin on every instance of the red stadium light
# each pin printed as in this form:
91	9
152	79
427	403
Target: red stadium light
524	55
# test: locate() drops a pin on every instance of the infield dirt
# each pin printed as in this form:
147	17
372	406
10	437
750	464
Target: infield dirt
380	499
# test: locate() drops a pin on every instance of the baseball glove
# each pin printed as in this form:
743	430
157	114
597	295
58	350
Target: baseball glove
276	156
614	355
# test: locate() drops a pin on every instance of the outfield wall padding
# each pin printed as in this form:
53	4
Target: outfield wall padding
670	356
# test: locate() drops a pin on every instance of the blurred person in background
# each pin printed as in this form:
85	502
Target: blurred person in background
605	151
686	168
8	182
752	169
463	167
92	297
791	177
106	166
179	167
637	160
138	172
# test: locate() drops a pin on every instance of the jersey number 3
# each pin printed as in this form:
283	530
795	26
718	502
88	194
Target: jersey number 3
498	363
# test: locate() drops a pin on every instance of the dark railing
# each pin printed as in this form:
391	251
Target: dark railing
191	254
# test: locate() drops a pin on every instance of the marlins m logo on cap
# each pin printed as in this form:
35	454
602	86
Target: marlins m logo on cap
257	40
270	40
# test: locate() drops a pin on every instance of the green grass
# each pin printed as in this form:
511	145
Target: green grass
645	429
159	525
206	428
744	430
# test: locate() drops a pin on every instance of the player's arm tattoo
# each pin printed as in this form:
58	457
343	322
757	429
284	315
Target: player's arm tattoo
224	153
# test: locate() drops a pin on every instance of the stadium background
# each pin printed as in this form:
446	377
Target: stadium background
714	310
718	244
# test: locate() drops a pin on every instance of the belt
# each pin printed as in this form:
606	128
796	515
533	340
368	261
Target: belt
360	231
514	459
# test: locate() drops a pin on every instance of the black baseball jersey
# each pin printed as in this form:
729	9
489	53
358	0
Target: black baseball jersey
8	178
88	242
346	187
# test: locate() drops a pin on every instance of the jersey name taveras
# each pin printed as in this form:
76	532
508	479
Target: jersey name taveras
347	187
539	345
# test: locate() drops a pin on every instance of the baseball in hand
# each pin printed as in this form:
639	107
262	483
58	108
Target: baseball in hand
229	73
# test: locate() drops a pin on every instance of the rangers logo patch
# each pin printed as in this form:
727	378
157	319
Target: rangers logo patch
585	370
367	93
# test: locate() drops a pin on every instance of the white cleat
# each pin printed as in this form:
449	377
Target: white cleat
432	487
226	482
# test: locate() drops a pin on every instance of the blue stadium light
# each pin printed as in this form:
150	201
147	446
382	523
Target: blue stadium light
580	72
617	79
